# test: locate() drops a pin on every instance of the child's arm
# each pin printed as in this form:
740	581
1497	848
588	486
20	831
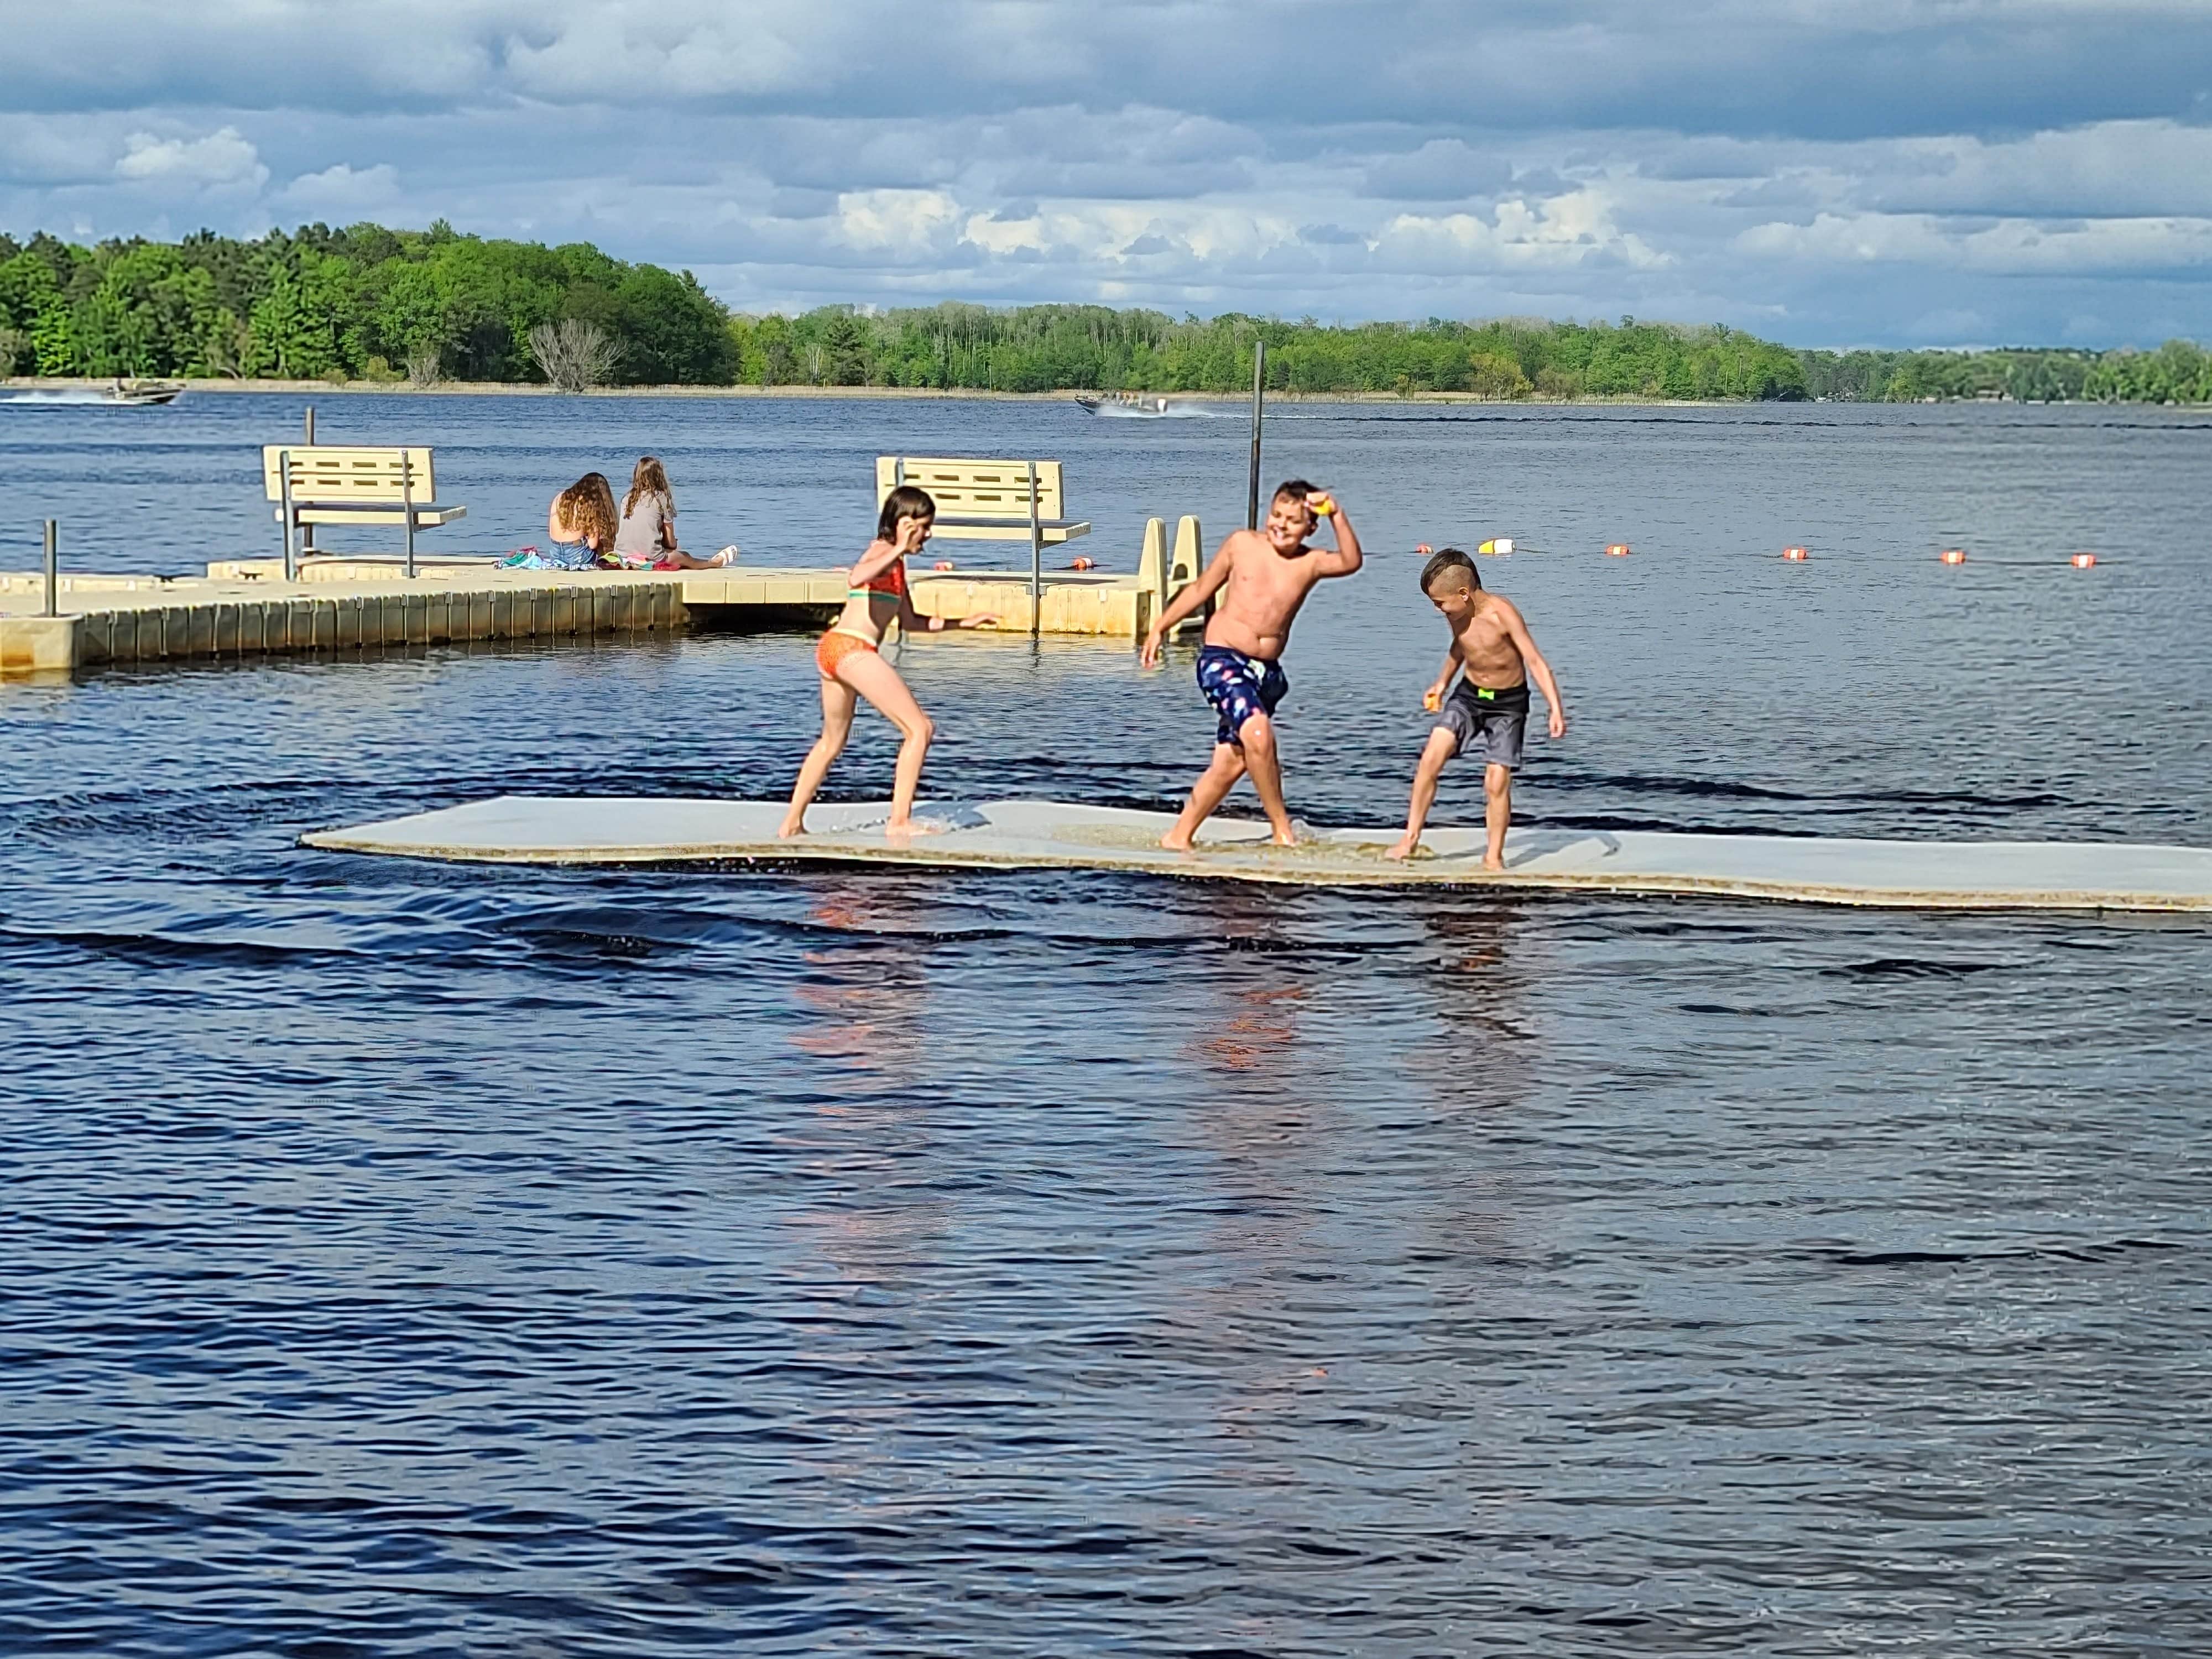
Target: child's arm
1532	660
911	621
1185	602
880	557
1346	557
1433	698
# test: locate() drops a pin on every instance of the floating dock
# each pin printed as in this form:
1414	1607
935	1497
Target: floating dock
245	607
1037	835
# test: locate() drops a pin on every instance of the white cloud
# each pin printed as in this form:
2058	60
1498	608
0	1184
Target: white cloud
344	190
901	224
221	157
2007	247
1565	231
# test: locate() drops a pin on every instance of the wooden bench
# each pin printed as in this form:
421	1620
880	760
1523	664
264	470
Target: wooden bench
324	484
986	501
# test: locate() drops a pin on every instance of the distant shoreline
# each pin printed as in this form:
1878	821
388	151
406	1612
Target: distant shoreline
527	389
531	389
977	395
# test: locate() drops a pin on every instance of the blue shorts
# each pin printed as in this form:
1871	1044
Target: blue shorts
1239	687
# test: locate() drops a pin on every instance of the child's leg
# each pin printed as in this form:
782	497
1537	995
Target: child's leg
1496	811
1436	755
1266	767
875	679
1212	786
837	704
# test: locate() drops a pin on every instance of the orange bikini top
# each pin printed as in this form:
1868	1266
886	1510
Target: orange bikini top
892	581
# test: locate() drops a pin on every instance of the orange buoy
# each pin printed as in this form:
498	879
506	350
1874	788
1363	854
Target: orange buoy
942	564
1617	550
1796	555
2083	561
1954	555
1083	564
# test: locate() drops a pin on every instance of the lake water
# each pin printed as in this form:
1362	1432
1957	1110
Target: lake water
411	1260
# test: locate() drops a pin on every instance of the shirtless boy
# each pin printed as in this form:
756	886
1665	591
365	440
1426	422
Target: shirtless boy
1489	708
1268	572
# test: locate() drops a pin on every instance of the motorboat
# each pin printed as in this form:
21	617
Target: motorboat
1122	402
147	393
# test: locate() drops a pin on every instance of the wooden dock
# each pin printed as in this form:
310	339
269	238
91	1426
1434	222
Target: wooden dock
245	608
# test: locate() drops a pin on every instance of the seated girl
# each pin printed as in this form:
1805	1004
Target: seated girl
583	516
646	537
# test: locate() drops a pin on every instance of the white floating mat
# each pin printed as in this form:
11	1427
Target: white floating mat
1029	835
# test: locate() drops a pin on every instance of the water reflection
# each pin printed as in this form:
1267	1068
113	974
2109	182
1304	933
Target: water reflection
867	1007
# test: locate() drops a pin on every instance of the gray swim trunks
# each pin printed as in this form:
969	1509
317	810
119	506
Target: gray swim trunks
1489	723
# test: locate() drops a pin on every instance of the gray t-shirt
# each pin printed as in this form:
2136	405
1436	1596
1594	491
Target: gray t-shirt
639	537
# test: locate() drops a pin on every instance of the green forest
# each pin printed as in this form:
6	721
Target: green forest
366	303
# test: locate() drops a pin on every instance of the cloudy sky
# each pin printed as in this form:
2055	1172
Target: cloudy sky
1824	172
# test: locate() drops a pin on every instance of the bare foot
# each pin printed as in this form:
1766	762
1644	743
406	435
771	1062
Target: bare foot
1286	835
906	828
1176	841
1405	848
791	827
1496	866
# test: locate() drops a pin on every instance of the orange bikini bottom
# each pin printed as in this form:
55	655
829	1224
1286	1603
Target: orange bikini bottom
835	646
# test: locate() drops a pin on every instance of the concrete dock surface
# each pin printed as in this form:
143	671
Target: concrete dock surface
246	607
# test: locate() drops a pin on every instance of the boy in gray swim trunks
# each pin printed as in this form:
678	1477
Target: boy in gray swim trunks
1488	710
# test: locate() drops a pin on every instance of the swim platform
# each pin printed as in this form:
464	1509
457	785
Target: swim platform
1043	835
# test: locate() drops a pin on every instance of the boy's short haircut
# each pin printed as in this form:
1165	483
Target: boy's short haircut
1448	558
1297	486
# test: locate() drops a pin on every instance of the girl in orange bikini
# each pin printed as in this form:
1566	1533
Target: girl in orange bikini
853	667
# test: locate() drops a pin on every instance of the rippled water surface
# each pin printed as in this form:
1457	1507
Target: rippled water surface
401	1259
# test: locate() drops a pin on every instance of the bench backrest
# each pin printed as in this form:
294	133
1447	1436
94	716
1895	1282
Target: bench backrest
975	489
326	474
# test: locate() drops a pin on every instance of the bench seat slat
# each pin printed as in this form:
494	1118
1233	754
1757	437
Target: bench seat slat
1005	530
426	518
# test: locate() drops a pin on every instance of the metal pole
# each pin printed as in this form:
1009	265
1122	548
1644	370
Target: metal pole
53	568
407	506
1037	560
308	531
284	491
1258	392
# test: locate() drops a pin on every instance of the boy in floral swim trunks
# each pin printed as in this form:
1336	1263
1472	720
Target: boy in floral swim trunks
1267	572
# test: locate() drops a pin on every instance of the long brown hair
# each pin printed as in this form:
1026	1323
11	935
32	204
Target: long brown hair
907	501
587	507
650	478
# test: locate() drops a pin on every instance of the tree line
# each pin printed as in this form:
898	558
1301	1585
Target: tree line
361	303
2177	372
369	303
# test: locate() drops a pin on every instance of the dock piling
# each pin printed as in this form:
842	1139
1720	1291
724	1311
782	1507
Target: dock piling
1259	393
1037	560
53	568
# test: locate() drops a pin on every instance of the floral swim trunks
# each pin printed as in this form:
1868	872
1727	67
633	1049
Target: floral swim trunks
1239	687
